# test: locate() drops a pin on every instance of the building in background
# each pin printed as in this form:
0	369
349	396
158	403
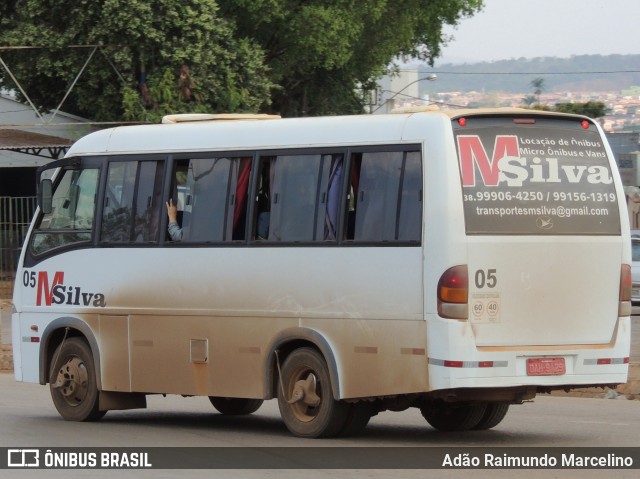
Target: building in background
397	91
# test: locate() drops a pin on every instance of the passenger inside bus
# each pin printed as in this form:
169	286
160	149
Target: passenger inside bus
175	232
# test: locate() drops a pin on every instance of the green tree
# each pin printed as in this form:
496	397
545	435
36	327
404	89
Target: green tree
537	84
592	109
285	56
145	48
318	52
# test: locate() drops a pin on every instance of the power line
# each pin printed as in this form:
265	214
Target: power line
45	47
532	73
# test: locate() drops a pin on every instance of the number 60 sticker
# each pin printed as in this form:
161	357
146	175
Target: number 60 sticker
485	307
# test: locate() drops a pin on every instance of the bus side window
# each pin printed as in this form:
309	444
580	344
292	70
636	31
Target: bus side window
385	197
148	202
409	226
132	203
297	198
205	199
118	204
211	197
294	198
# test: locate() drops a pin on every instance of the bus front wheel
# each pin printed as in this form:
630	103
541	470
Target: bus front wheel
305	400
73	382
494	414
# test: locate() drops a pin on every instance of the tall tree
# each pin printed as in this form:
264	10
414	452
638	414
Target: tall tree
177	56
319	52
291	57
538	87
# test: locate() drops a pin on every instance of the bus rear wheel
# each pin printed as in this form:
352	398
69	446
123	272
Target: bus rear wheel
453	417
493	415
73	383
305	400
235	406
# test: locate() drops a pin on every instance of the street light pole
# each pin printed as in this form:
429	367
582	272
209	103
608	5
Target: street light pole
430	77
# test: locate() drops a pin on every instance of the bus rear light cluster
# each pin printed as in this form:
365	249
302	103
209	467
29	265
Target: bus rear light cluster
453	293
624	305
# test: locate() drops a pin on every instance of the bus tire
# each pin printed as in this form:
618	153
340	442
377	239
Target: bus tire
493	415
359	415
235	406
73	382
453	417
305	399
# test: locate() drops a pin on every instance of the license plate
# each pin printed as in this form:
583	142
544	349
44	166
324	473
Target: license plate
635	292
545	366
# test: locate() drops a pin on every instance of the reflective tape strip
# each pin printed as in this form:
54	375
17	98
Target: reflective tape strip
603	361
448	363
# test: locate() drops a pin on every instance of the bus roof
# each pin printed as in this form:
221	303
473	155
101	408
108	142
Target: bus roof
237	132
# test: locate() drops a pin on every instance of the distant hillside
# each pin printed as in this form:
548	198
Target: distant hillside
578	73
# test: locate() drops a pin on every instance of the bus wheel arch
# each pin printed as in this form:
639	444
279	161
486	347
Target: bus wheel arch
58	331
286	343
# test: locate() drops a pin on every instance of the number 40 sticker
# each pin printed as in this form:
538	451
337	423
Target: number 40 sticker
485	305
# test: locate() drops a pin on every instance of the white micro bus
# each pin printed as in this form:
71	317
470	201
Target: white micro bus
458	262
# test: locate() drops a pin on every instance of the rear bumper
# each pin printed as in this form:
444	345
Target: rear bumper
462	365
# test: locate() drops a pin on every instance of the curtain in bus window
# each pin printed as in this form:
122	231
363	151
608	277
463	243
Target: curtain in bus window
409	227
294	197
118	206
241	174
333	197
263	197
206	202
148	202
377	196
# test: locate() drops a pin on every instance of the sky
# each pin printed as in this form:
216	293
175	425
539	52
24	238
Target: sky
507	29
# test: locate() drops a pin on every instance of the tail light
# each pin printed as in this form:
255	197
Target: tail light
453	293
624	306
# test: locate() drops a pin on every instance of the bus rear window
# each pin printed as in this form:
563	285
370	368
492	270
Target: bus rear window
535	177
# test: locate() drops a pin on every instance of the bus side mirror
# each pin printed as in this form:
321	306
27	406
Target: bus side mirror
45	201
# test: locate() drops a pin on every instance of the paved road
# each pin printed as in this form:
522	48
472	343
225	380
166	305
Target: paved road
28	418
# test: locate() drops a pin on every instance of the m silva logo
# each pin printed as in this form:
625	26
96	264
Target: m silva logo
56	292
508	167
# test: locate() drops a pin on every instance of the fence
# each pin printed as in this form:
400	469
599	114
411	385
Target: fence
15	216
